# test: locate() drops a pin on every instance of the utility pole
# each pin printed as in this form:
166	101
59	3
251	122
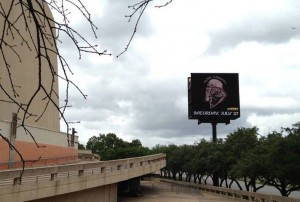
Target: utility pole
12	139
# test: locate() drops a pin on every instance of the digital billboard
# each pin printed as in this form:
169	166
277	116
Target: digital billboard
213	97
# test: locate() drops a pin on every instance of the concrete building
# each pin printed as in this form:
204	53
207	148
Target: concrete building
20	79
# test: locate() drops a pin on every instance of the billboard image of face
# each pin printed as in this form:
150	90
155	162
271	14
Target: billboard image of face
214	93
213	97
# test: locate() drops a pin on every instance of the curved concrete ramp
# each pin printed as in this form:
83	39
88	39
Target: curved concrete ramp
85	181
161	191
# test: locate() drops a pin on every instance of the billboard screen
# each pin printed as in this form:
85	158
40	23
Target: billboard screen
213	97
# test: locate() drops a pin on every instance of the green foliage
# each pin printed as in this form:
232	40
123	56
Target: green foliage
240	149
284	159
111	147
240	141
81	146
273	160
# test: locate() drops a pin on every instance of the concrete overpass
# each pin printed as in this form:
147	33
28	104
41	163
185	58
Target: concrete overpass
85	181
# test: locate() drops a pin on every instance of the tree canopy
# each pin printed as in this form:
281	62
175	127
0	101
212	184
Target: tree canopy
111	147
257	161
243	157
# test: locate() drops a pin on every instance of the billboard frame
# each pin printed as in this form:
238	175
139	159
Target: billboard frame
213	97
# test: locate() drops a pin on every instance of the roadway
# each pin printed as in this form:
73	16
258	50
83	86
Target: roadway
160	191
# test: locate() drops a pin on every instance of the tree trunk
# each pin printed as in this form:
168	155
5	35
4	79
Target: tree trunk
195	178
226	182
246	184
205	180
180	176
237	183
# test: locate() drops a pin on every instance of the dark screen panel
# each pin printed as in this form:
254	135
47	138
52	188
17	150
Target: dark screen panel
213	97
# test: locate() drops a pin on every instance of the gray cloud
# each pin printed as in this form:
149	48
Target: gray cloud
124	96
261	28
116	29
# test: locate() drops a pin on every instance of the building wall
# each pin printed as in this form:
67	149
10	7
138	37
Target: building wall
20	68
53	147
36	156
41	135
23	71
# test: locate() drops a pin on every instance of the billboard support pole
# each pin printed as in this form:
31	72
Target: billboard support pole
215	177
213	98
214	131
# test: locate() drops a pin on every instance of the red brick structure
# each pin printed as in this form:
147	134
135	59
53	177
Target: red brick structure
53	147
46	154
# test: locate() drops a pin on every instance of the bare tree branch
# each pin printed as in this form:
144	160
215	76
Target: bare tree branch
138	9
43	41
34	30
167	3
11	147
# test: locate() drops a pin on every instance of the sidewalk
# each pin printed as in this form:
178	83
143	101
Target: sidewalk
165	192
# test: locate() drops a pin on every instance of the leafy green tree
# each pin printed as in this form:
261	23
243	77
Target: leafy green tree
127	152
251	167
80	146
103	144
173	166
198	168
295	130
174	160
272	160
111	147
189	166
164	172
202	161
219	161
135	143
237	145
284	161
185	154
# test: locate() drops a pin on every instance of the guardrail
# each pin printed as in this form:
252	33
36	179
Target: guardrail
52	173
48	181
231	193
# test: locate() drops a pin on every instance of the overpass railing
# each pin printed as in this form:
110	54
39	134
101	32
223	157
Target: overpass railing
52	173
236	194
62	180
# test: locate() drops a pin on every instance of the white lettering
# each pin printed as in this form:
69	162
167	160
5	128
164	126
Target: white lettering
235	113
206	113
226	113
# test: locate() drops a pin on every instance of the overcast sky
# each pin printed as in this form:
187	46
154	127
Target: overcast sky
143	93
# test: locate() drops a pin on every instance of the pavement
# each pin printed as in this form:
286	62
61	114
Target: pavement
165	192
